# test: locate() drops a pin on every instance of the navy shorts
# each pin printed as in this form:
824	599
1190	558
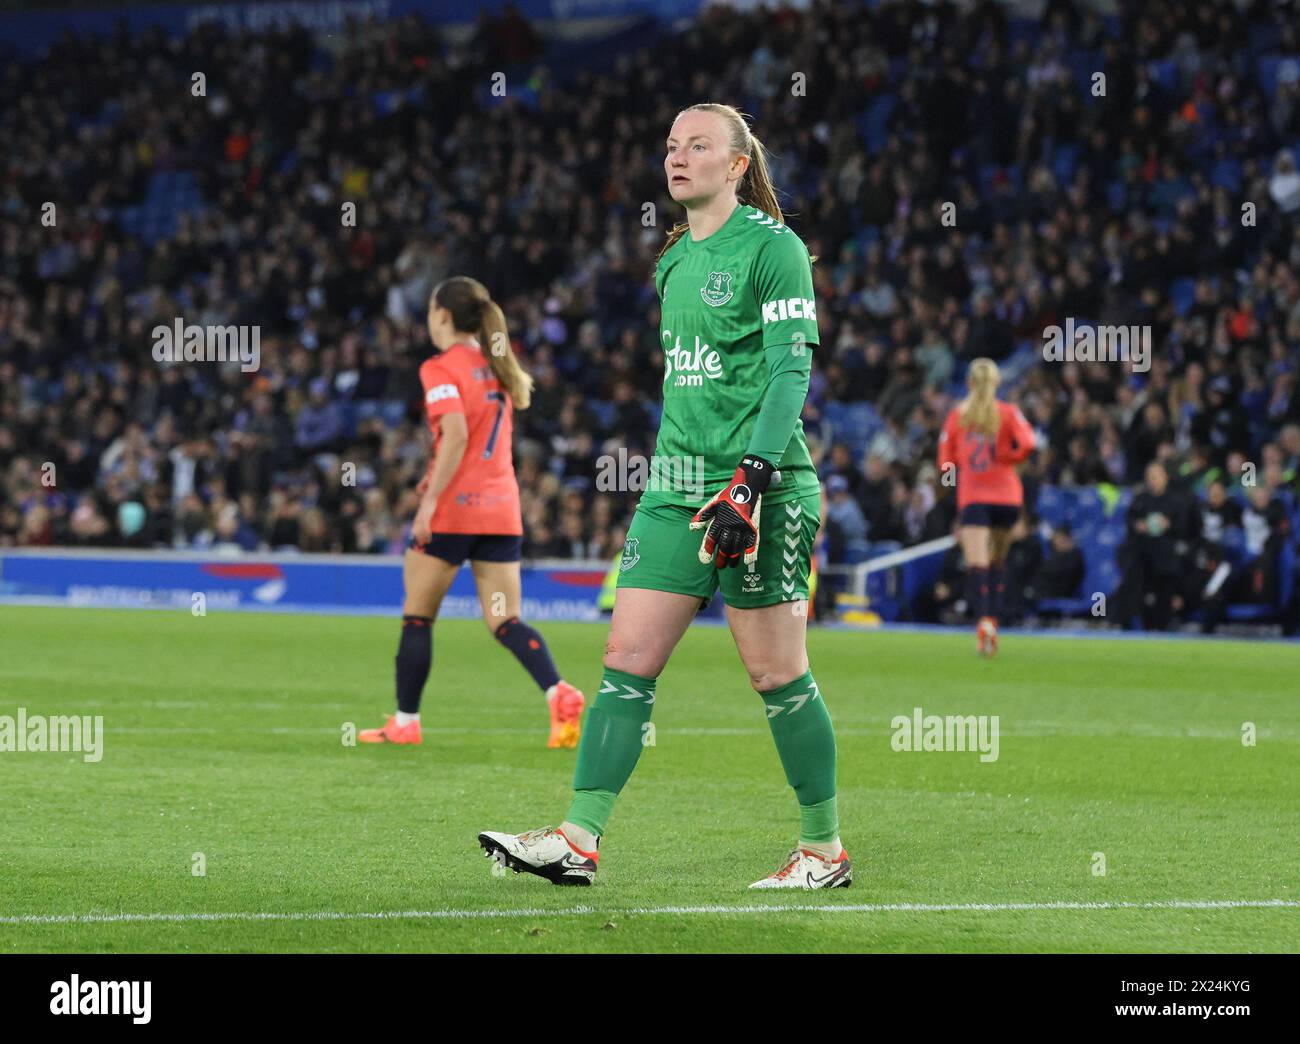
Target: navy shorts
456	547
996	516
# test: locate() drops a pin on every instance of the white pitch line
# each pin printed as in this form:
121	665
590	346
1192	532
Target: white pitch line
325	915
427	915
1027	730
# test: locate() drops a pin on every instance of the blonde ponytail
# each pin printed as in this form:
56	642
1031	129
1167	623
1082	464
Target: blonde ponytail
979	410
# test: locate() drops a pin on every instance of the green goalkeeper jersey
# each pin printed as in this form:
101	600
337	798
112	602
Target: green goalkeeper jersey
737	308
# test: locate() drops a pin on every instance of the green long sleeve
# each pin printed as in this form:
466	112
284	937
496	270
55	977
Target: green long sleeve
790	369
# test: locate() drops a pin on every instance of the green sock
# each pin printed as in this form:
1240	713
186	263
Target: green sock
612	739
805	740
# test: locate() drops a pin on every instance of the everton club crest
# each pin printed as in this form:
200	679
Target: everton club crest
717	291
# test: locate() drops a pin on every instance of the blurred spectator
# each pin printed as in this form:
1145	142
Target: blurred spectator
1162	526
1023	570
1253	580
945	594
846	529
320	423
1060	573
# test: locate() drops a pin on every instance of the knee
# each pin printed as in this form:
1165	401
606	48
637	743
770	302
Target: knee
632	655
766	675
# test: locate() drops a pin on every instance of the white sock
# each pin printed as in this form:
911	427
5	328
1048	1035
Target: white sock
551	691
826	849
579	838
405	719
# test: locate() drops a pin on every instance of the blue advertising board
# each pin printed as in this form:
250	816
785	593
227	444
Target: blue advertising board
349	584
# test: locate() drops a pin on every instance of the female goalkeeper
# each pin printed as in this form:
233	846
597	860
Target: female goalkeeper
738	322
469	507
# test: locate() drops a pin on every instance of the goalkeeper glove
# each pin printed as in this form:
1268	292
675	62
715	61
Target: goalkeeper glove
732	516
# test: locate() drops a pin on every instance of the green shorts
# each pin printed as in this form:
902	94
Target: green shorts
662	554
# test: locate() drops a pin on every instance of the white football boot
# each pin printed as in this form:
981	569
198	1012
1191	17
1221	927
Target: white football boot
805	869
544	852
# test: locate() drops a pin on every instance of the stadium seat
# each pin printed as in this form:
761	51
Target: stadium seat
870	234
856	552
348	412
1097	533
1101	573
1182	294
1247	612
1268	67
873	124
1064	160
1051	505
835	412
1227	174
170	194
1064	606
604	413
1110	535
1164	73
1083	64
1288	573
1085	534
1088	505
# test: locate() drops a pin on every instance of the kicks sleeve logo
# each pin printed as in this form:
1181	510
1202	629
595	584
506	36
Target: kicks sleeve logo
789	308
441	391
685	367
718	290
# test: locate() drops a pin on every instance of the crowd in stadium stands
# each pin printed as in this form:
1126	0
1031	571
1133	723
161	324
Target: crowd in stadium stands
1124	206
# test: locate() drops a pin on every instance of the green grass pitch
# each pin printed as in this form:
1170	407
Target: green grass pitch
223	736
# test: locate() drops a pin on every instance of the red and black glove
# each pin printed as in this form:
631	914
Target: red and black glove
732	516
